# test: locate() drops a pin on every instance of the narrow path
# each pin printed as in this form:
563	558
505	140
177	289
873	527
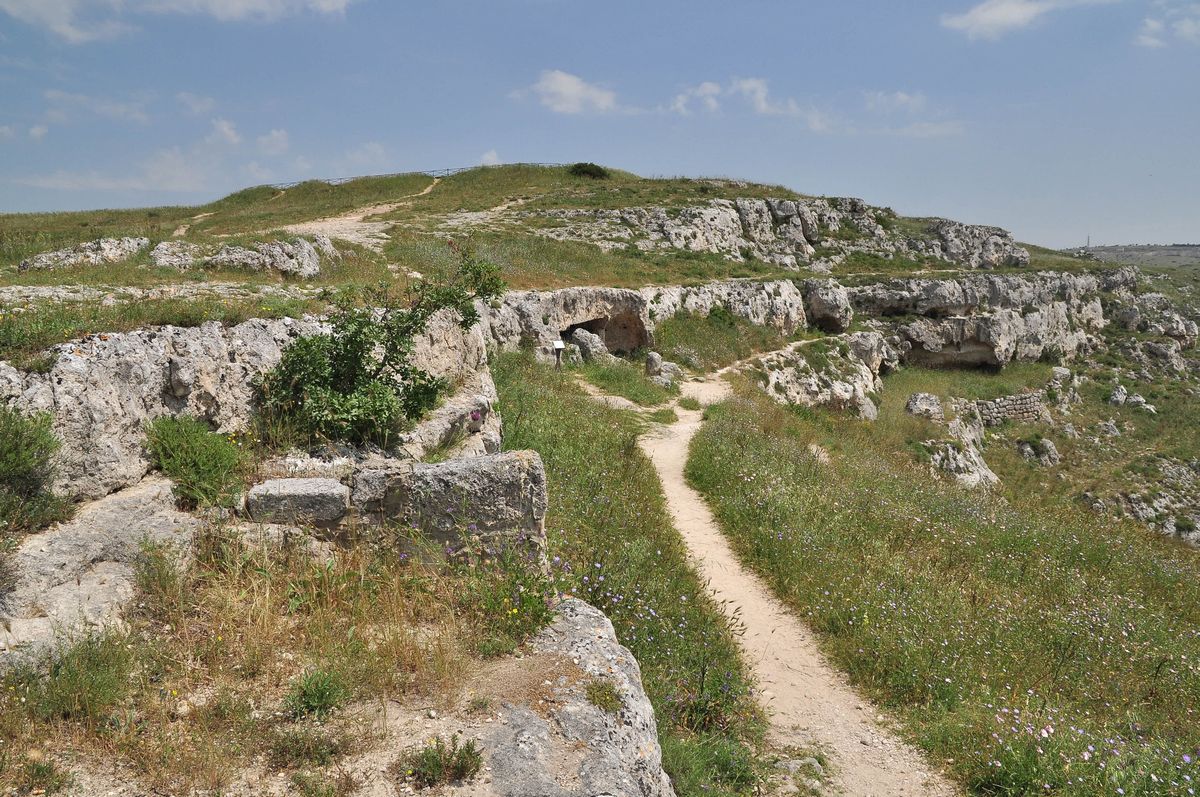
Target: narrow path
353	226
807	700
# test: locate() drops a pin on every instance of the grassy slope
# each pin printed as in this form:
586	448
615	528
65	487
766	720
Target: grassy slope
1030	647
608	521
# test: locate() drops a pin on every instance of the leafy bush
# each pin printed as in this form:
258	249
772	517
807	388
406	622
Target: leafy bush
440	763
207	467
27	448
316	694
357	384
589	170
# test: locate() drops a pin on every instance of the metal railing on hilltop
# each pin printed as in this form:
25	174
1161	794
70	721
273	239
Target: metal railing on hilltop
437	173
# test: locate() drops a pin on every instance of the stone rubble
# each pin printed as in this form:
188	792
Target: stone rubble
93	253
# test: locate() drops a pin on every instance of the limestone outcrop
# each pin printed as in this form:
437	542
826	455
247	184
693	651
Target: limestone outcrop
104	389
789	233
92	253
841	373
608	753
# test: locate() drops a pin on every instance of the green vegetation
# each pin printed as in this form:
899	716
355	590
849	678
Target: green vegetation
708	342
357	384
1026	646
42	777
301	746
689	403
604	696
27	448
84	681
507	591
609	530
316	694
665	416
439	763
208	468
621	378
24	336
589	170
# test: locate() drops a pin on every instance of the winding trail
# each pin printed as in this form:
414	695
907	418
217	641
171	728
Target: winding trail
807	701
353	226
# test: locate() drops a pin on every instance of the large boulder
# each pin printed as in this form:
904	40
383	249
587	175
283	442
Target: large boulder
179	255
591	346
926	405
827	305
574	748
297	258
92	253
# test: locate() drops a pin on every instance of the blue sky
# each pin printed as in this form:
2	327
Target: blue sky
1054	118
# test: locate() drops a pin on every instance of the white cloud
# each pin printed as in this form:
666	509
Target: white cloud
992	19
490	158
6	131
224	132
756	91
893	101
1174	20
79	21
1151	34
38	132
707	94
565	93
275	143
195	103
63	103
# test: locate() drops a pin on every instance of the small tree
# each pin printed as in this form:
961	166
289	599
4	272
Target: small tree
357	384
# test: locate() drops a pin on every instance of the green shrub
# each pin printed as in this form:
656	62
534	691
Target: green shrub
207	467
357	384
439	763
27	448
589	170
316	694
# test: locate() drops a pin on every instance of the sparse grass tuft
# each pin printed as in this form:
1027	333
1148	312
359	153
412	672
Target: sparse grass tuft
81	681
708	342
39	776
690	403
439	763
208	468
665	416
603	695
293	748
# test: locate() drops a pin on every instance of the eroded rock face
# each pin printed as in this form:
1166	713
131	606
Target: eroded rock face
827	305
178	255
838	373
307	502
611	754
80	574
104	389
926	405
92	253
297	257
784	232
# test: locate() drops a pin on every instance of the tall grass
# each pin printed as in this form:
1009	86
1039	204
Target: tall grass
609	529
1030	648
627	380
711	341
27	449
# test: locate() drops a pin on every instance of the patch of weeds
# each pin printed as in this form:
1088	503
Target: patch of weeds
82	682
440	763
510	596
207	467
317	693
27	449
708	342
358	383
310	785
39	776
604	696
665	416
291	748
690	403
161	582
479	704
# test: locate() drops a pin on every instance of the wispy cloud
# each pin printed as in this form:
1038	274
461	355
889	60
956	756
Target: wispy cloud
565	93
490	158
1173	20
754	92
38	132
170	169
64	103
275	143
224	132
7	132
896	101
80	21
196	104
707	95
992	19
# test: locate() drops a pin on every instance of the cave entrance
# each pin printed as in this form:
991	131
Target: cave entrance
622	333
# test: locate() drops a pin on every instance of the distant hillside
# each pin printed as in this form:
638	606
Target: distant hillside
1149	255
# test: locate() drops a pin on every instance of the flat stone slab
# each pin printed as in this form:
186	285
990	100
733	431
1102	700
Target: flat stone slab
315	502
